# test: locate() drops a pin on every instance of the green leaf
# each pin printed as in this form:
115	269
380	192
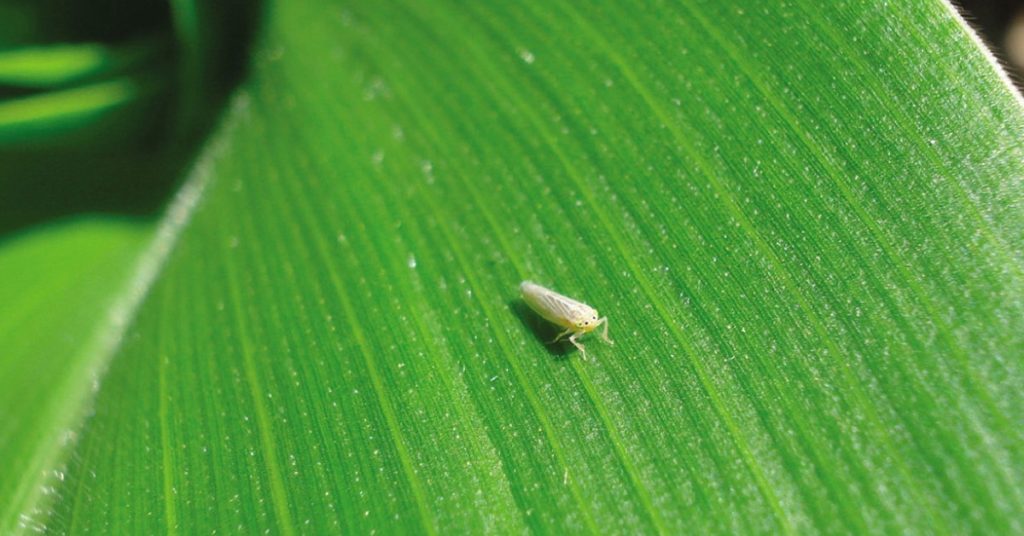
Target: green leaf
53	334
57	65
49	114
803	220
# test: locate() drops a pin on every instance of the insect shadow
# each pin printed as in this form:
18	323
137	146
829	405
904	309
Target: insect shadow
542	330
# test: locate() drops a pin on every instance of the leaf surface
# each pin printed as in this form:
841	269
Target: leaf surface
803	221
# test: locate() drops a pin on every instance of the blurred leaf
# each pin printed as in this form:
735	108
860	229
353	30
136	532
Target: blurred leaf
804	221
48	115
104	127
52	325
211	38
60	64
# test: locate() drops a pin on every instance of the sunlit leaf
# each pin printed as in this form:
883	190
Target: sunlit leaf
803	220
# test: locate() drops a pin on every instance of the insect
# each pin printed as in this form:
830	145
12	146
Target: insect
576	317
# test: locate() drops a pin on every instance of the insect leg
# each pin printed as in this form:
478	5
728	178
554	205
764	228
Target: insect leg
604	332
560	335
583	351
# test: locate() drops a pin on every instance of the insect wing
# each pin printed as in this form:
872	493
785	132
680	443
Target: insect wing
551	305
563	307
